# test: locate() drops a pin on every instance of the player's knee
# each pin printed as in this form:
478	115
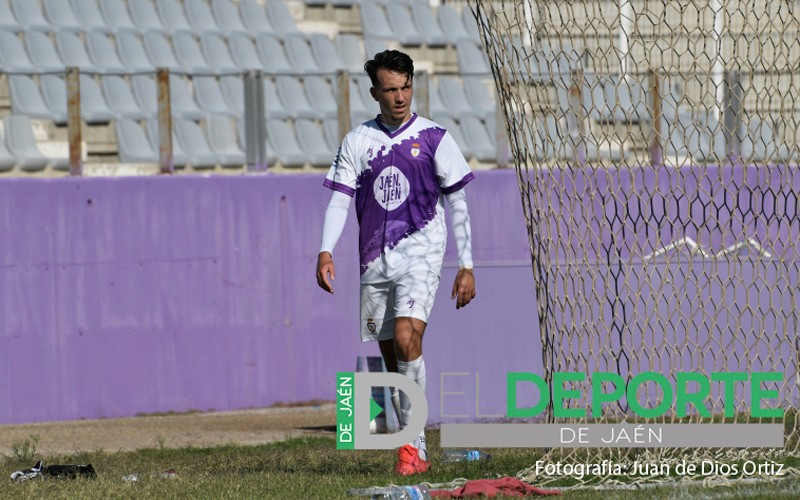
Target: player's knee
408	348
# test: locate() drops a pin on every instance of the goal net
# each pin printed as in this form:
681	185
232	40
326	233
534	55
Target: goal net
656	146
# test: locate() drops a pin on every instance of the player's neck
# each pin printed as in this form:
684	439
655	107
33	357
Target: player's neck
393	125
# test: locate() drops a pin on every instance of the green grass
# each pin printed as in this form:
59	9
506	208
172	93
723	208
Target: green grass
298	468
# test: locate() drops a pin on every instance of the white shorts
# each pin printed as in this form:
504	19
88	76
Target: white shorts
411	296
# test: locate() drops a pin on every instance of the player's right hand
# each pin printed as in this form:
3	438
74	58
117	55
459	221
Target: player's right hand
325	271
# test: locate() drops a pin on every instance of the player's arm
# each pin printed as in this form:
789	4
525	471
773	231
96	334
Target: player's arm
464	284
332	227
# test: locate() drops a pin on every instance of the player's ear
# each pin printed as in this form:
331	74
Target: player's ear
374	93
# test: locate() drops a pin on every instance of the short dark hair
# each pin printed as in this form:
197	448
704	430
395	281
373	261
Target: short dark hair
392	60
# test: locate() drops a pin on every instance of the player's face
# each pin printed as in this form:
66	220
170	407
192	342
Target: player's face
393	94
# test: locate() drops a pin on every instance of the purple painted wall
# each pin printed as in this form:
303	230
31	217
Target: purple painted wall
135	295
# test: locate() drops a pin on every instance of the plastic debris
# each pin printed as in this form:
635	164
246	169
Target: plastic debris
70	471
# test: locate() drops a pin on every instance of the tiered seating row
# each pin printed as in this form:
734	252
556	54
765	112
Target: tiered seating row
208	45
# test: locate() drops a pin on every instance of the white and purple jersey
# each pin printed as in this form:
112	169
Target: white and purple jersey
399	180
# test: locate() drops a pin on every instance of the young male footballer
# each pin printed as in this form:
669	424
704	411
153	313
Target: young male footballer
400	168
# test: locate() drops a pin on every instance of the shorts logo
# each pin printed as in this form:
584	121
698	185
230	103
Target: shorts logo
411	303
371	325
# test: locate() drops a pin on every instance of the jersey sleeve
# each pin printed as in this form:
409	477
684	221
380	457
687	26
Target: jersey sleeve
451	167
342	174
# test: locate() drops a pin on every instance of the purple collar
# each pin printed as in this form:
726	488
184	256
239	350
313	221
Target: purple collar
399	130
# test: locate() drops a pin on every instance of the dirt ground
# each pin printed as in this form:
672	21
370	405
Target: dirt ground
250	427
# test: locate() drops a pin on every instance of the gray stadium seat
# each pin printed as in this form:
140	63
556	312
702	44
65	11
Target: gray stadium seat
89	15
22	144
94	109
374	45
182	99
470	24
161	53
360	111
29	15
215	50
478	95
180	158
451	23
471	58
103	53
242	140
26	99
403	27
455	131
42	52
561	140
455	97
7	160
676	133
375	22
363	84
144	16
311	138
351	51
94	106
437	107
330	127
593	97
209	96
73	52
190	55
629	98
255	17
282	140
760	143
227	16
7	19
610	98
272	54
534	64
13	56
244	52
133	144
325	53
280	18
120	98
321	95
193	140
172	14
132	52
483	145
275	108
233	91
223	141
60	15
116	15
291	92
298	52
424	18
200	16
145	92
705	140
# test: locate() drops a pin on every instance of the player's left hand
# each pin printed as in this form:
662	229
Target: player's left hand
463	288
